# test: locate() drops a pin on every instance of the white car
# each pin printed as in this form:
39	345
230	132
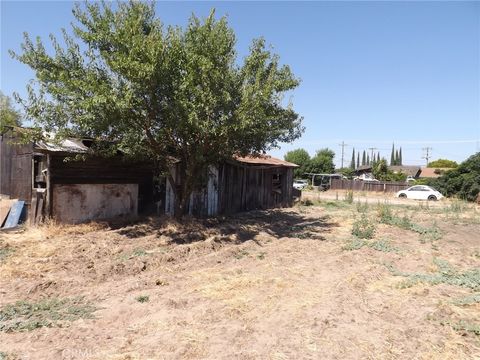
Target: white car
300	184
420	192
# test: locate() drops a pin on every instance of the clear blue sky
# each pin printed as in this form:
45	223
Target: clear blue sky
372	73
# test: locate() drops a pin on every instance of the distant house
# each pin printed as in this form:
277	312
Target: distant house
66	182
363	169
433	172
413	171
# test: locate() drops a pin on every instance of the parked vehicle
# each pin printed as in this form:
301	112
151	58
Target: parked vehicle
365	177
410	178
300	184
420	192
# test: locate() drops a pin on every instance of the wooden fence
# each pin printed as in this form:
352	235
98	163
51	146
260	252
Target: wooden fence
359	185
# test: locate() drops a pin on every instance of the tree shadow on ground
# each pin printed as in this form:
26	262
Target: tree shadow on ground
237	228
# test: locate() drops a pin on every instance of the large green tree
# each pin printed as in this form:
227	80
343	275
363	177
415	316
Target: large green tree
322	162
463	181
9	116
301	158
177	95
443	163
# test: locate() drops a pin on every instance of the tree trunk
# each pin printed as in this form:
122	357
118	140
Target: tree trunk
182	191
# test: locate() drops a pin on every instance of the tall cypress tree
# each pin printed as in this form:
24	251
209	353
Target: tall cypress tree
400	160
368	159
392	155
397	158
364	158
352	163
358	160
378	156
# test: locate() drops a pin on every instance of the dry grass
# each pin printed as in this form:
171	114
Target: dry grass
276	285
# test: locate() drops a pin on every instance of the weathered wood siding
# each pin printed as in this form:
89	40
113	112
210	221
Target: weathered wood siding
233	188
358	185
15	169
244	188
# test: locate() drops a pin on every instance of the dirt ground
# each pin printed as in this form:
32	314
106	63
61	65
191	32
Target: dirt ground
280	284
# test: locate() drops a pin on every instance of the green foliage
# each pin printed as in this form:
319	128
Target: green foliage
362	207
158	92
26	316
387	216
143	298
442	163
445	274
463	181
8	115
381	172
380	245
468	300
5	252
322	162
349	197
347	172
301	158
363	228
466	326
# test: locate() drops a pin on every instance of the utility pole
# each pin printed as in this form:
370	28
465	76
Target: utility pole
343	152
427	153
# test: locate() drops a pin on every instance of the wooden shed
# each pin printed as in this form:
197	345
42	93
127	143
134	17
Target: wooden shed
63	182
241	184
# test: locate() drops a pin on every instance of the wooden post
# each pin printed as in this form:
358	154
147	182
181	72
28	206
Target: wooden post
48	195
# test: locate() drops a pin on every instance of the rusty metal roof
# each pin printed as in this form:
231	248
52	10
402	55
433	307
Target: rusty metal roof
67	145
430	172
263	160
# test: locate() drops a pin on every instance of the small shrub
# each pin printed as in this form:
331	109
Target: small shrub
383	246
240	254
261	256
354	244
349	197
380	245
362	207
385	213
306	202
27	316
142	298
446	274
468	300
364	228
5	252
465	326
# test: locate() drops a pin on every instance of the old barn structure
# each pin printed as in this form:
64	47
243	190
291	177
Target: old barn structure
65	182
53	183
241	184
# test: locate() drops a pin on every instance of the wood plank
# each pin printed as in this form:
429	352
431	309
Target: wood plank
33	209
39	217
14	214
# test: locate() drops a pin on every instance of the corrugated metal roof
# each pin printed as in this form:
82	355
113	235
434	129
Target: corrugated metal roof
263	160
67	145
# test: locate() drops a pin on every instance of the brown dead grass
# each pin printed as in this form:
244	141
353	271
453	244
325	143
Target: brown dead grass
270	285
